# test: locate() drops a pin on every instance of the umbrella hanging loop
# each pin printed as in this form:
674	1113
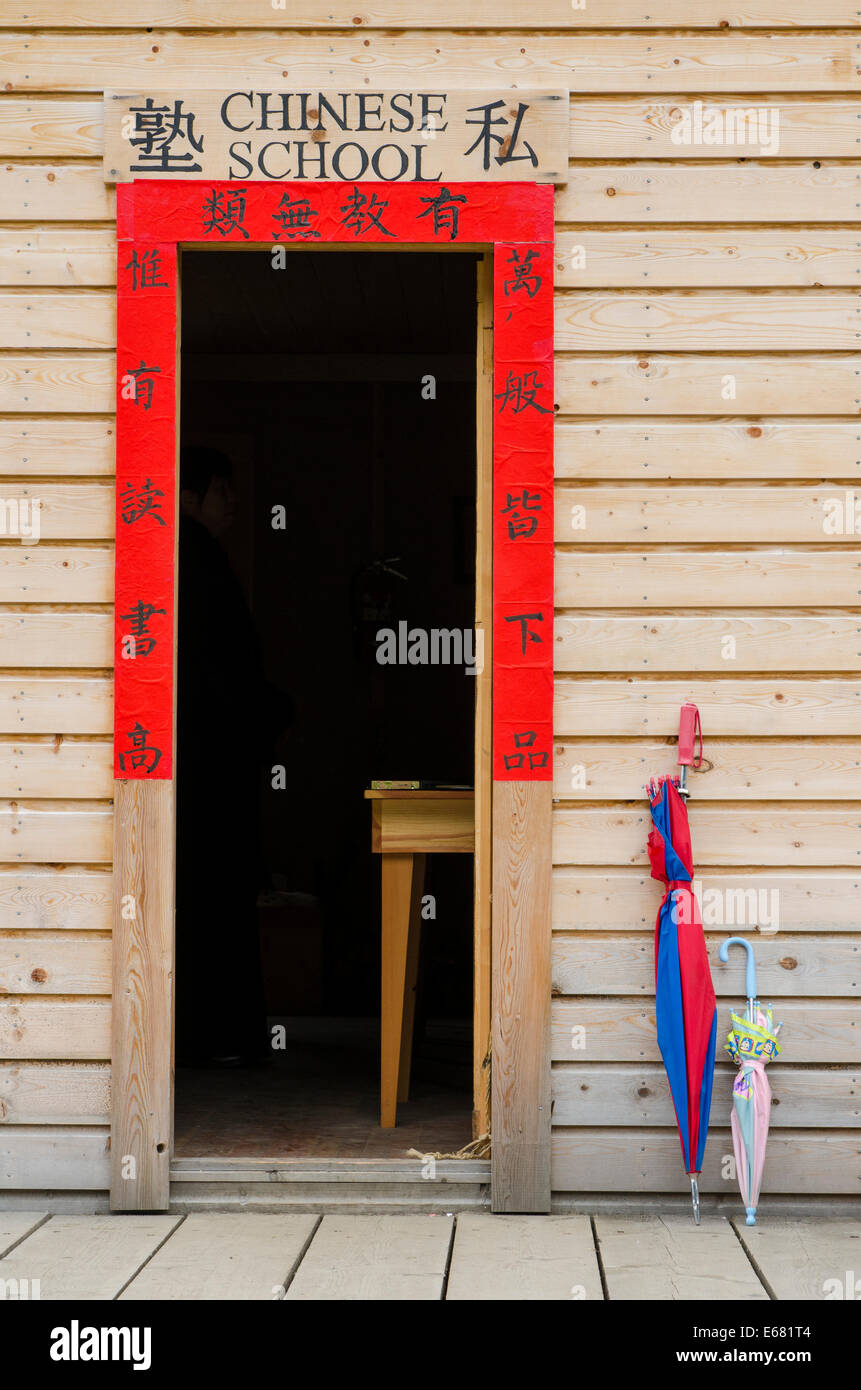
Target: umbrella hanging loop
690	733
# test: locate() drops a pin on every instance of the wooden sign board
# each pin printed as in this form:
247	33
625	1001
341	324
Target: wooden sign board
332	135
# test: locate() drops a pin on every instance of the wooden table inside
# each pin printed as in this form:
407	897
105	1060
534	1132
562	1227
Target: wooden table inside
405	827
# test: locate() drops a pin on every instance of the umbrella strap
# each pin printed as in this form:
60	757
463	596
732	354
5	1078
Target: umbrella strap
698	734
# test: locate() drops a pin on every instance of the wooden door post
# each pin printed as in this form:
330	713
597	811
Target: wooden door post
142	1014
520	1167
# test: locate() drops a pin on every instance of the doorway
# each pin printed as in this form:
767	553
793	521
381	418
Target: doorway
327	497
511	224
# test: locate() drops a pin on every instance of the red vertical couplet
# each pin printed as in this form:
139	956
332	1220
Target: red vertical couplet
523	512
145	523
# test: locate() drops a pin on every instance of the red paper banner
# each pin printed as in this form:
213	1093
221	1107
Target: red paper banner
315	213
523	512
145	523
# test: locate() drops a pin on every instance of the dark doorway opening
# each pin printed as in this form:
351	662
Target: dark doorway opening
340	390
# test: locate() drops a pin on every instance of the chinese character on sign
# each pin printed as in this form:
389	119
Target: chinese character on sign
520	392
140	754
524	277
507	143
518	759
363	213
145	270
445	212
223	212
139	619
144	382
526	633
156	128
293	214
521	527
137	502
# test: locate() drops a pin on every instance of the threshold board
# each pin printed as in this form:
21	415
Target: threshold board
385	1170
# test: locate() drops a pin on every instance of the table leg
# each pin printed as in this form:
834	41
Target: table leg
411	975
399	878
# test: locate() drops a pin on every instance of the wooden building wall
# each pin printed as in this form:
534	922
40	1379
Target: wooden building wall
704	520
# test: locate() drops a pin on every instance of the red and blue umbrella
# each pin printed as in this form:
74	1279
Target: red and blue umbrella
684	994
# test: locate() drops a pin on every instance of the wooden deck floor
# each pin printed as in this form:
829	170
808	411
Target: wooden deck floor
472	1256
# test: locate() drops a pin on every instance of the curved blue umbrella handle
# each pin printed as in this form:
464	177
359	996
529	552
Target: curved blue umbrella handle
750	972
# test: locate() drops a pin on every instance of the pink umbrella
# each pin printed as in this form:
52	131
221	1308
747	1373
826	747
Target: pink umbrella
751	1042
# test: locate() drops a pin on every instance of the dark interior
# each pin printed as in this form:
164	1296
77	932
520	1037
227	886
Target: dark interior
354	493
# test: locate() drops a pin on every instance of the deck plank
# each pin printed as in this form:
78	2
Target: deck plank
87	1257
670	1258
397	1258
523	1258
14	1225
807	1259
232	1255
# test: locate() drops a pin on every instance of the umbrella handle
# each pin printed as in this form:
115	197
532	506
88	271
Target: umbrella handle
750	972
690	731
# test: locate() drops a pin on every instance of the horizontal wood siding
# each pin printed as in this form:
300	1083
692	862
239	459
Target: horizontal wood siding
57	272
707	315
406	14
708	336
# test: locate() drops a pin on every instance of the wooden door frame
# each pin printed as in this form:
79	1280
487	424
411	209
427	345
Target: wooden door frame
511	224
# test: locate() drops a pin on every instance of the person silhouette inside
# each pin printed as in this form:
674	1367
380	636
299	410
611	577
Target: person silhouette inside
228	719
